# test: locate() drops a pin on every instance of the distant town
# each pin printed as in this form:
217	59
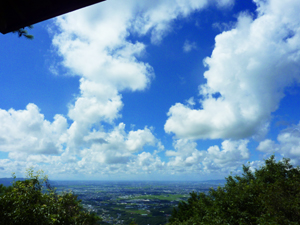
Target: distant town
122	202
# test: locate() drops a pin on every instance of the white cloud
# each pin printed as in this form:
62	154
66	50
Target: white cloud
230	155
191	101
105	153
149	162
8	166
185	154
27	131
94	45
288	144
189	46
115	147
157	15
31	140
250	67
268	146
187	157
137	139
96	103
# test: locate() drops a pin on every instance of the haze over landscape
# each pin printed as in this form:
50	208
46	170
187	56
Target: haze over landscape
152	90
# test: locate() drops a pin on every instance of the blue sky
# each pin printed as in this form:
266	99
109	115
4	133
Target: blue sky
152	90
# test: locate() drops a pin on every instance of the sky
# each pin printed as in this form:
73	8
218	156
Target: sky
153	90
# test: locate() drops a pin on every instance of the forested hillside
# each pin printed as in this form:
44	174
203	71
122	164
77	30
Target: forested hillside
268	195
33	201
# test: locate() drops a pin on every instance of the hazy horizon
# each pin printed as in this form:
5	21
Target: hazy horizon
152	90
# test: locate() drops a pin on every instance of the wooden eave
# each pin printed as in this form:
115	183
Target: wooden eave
16	14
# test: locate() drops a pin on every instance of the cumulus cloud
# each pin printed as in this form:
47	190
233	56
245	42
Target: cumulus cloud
268	146
115	147
28	131
185	154
31	140
137	139
250	67
229	156
149	162
94	45
102	153
287	144
10	166
187	157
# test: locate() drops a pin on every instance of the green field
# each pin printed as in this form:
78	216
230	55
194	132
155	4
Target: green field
161	197
136	211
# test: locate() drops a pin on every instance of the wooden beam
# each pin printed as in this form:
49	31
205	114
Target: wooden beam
16	14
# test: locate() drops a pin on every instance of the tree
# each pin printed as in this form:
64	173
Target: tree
269	195
4	189
35	202
23	32
133	223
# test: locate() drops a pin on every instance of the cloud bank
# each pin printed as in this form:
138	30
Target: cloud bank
187	158
252	64
287	144
94	44
248	71
28	131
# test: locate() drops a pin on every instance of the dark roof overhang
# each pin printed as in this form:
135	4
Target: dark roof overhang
16	14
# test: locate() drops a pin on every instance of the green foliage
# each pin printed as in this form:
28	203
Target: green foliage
133	223
170	197
23	32
35	202
270	195
4	189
